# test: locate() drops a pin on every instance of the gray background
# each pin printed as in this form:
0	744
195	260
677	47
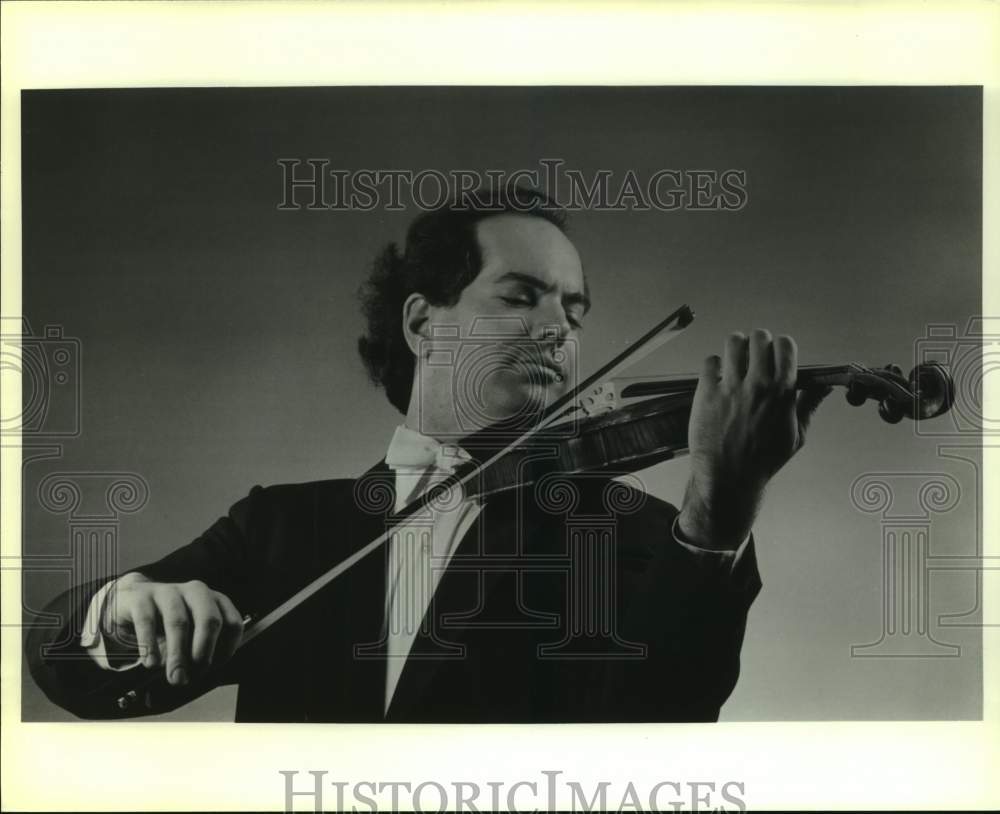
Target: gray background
218	333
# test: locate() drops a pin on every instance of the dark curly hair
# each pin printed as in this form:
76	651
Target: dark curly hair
441	257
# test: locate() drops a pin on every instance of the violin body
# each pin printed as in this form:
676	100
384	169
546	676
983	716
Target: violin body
617	442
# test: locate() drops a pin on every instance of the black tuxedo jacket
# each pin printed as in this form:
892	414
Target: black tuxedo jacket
559	604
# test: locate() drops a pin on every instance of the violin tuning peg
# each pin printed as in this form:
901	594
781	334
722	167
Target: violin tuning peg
891	413
855	395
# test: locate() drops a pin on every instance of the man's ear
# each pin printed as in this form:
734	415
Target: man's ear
416	321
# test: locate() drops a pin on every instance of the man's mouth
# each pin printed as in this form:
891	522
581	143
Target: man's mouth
545	372
537	367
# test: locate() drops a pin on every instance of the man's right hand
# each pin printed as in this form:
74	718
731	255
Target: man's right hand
186	627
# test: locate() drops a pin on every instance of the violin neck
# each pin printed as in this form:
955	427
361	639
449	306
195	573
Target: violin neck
811	375
808	376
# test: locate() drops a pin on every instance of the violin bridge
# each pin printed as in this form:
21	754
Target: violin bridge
602	398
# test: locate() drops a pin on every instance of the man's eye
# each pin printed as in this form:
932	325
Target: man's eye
517	300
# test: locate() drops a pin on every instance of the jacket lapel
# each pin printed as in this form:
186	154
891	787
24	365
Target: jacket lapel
487	556
353	670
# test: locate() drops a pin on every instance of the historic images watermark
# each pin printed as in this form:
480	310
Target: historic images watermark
48	364
550	791
589	506
315	184
93	504
969	353
89	504
908	502
498	348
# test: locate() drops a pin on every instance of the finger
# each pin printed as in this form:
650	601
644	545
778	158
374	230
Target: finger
734	360
760	370
144	622
786	368
807	402
177	629
711	371
232	629
206	621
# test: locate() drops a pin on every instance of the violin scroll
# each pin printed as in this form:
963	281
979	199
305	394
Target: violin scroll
926	393
934	388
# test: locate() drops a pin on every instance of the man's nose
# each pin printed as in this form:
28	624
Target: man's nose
552	334
552	325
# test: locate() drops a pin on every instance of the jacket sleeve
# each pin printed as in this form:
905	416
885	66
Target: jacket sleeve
689	611
222	558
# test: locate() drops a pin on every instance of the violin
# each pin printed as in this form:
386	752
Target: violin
620	439
610	438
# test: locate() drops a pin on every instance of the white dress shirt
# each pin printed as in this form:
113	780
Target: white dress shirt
419	550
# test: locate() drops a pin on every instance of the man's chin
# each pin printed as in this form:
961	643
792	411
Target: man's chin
525	407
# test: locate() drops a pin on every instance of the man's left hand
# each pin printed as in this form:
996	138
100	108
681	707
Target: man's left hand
747	421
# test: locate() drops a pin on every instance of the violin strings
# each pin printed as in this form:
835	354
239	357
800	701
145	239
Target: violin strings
669	377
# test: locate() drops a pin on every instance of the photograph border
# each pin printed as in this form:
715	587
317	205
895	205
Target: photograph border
188	766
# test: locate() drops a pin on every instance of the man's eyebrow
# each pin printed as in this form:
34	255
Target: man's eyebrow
571	298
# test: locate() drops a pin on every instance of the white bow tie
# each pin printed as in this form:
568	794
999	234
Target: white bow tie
411	449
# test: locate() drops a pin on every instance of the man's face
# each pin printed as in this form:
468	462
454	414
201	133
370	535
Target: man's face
518	325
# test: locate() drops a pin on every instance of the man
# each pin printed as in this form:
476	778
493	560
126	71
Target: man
509	607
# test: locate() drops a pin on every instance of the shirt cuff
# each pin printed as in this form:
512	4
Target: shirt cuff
91	638
734	555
